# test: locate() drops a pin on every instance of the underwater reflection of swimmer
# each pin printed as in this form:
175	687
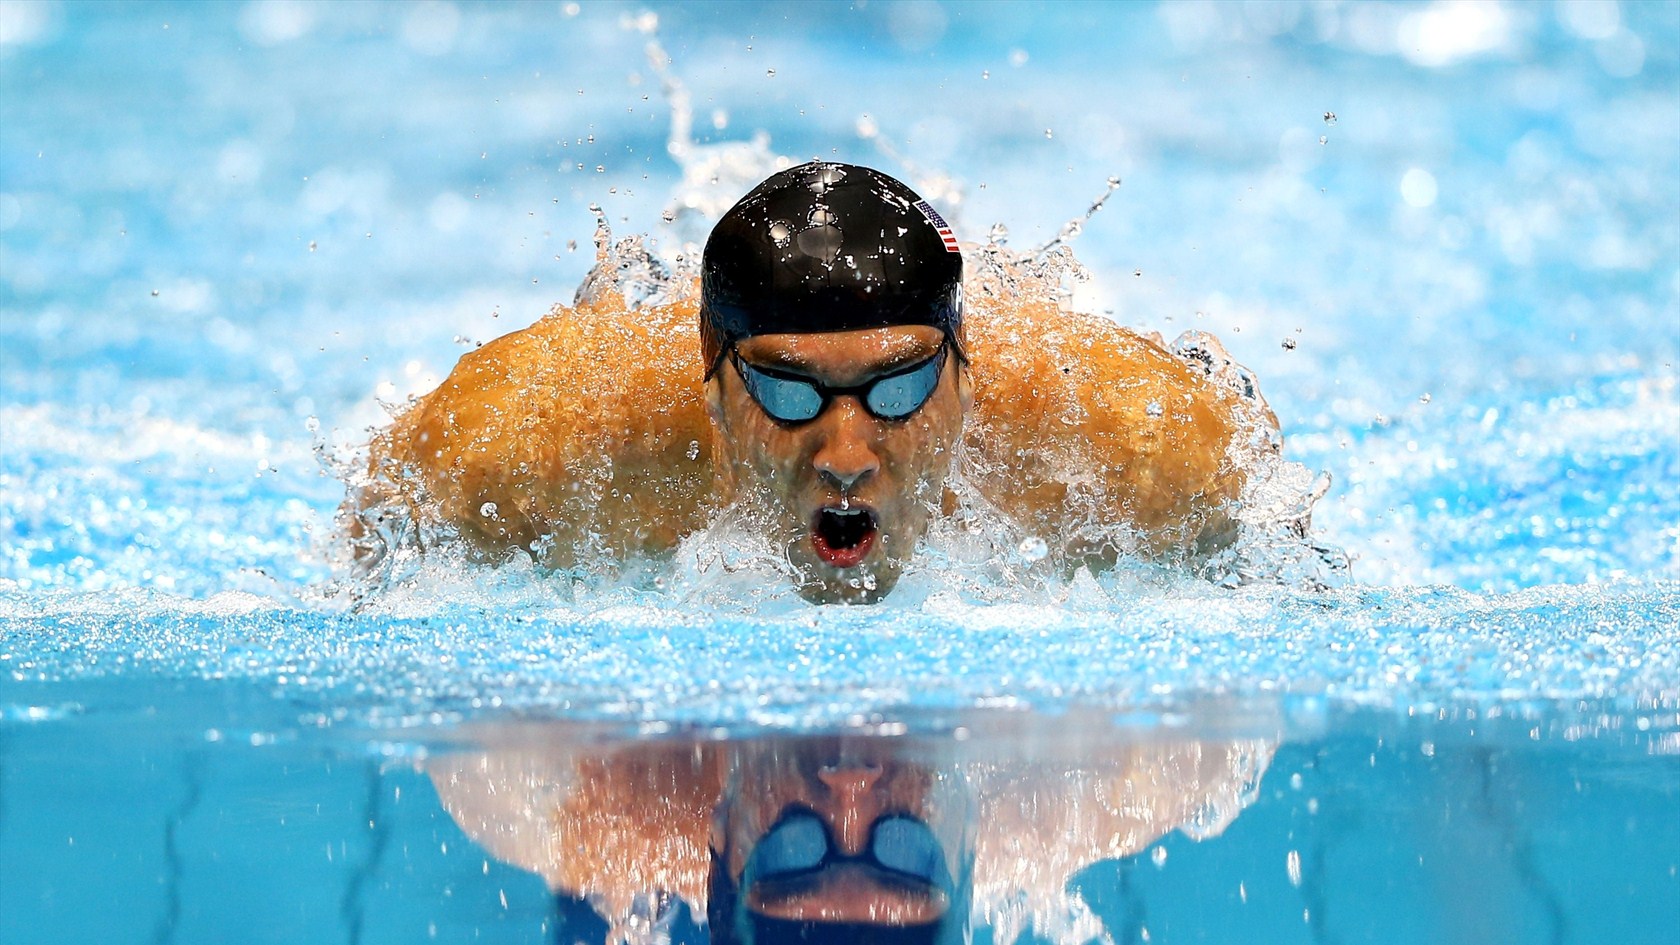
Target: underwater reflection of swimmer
846	382
834	839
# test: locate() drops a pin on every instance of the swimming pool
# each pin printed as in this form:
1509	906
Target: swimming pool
1443	236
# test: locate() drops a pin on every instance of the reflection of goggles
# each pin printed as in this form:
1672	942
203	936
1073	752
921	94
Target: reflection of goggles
800	845
794	398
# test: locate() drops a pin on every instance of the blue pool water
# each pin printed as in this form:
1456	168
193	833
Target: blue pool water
1445	236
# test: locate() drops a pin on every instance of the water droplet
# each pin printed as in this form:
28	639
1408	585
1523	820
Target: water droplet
154	293
985	73
770	73
1289	344
1329	118
998	235
1032	548
668	216
1323	139
600	168
1424	399
1048	133
1139	274
1158	856
1154	409
1295	868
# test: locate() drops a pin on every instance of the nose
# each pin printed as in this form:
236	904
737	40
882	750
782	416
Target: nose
855	805
846	455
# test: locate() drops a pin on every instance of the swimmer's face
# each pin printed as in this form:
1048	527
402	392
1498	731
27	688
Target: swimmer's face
848	493
856	836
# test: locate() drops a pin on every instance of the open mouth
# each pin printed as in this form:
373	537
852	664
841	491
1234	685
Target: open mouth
843	537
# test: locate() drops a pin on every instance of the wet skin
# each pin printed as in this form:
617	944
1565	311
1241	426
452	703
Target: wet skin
843	460
584	439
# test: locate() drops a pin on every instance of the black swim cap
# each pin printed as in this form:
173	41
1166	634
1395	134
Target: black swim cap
828	247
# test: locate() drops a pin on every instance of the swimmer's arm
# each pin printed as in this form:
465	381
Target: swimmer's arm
1047	821
601	824
469	453
1095	430
579	439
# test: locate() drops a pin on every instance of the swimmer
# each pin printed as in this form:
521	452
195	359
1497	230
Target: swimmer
838	838
841	377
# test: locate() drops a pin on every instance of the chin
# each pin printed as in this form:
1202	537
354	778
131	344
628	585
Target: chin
825	585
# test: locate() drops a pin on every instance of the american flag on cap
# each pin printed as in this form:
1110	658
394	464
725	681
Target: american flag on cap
940	225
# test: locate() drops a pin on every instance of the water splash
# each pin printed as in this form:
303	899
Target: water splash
1071	229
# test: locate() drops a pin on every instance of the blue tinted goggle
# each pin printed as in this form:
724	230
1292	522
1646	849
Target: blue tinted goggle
800	844
793	398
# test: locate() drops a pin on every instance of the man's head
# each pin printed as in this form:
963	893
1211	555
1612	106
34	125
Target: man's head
831	325
838	841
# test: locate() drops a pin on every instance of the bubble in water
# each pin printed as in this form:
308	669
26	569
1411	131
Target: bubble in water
1295	868
1154	409
985	73
1158	856
1323	139
668	216
866	127
1049	133
1032	548
1289	344
488	510
154	293
998	235
1424	399
693	452
1329	118
770	73
312	246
